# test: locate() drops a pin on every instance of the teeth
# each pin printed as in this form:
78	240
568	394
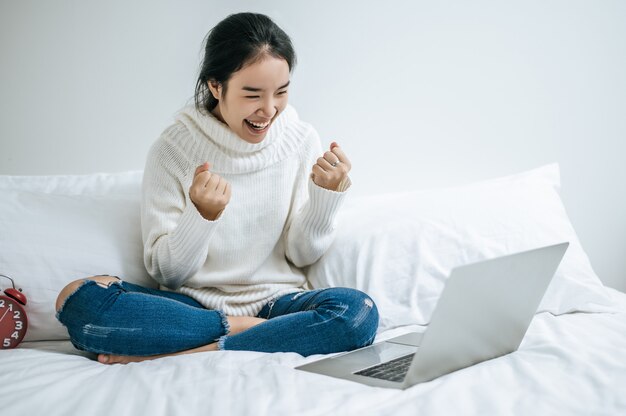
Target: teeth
258	125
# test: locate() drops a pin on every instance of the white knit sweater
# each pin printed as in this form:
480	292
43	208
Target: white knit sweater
277	220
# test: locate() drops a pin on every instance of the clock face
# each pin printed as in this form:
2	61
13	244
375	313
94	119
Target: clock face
13	323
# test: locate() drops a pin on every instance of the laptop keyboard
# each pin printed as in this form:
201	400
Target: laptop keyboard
393	370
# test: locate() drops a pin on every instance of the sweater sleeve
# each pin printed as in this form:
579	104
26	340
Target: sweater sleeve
175	236
312	229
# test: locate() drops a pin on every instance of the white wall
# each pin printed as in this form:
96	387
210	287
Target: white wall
419	93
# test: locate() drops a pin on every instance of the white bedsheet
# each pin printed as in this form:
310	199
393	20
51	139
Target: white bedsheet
569	364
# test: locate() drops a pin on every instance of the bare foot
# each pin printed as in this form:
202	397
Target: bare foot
125	359
241	323
122	359
237	324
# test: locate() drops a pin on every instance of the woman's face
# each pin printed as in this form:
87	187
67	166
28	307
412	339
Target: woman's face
256	95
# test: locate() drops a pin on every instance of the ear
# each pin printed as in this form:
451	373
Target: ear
215	88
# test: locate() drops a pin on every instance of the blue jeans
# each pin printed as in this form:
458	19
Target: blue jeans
122	318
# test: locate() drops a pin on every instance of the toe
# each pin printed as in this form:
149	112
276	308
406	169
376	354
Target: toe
104	359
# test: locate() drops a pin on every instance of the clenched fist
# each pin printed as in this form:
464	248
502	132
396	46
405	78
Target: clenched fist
210	193
331	169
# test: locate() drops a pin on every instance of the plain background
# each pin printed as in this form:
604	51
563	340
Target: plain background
420	94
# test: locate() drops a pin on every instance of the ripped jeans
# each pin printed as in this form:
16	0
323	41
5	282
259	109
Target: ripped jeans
122	318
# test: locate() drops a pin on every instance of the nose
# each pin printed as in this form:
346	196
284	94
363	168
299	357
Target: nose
268	108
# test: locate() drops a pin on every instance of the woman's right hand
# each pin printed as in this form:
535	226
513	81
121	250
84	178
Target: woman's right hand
209	192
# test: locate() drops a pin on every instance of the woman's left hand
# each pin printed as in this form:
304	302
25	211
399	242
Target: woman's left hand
331	169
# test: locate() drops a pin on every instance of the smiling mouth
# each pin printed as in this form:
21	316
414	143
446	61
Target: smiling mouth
257	126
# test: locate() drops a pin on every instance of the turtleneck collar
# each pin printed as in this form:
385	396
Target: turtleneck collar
215	142
222	136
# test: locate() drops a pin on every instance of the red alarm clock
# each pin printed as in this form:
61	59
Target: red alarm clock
13	320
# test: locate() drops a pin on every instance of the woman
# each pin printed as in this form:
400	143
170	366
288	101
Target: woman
238	196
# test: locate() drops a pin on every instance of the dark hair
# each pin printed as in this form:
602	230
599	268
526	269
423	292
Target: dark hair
238	40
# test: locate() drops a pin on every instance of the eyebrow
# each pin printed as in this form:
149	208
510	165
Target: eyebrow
252	89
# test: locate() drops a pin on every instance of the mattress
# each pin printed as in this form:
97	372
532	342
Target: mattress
398	248
570	364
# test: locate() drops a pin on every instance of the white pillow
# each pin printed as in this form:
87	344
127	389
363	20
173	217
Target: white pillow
399	248
49	238
91	184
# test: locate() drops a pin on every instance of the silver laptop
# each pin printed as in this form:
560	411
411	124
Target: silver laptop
483	313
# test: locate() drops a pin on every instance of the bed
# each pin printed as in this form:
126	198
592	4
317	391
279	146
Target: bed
398	247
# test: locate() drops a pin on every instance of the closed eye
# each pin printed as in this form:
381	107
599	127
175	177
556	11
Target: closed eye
256	96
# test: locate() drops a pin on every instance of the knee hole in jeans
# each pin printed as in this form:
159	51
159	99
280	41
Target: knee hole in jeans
71	288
